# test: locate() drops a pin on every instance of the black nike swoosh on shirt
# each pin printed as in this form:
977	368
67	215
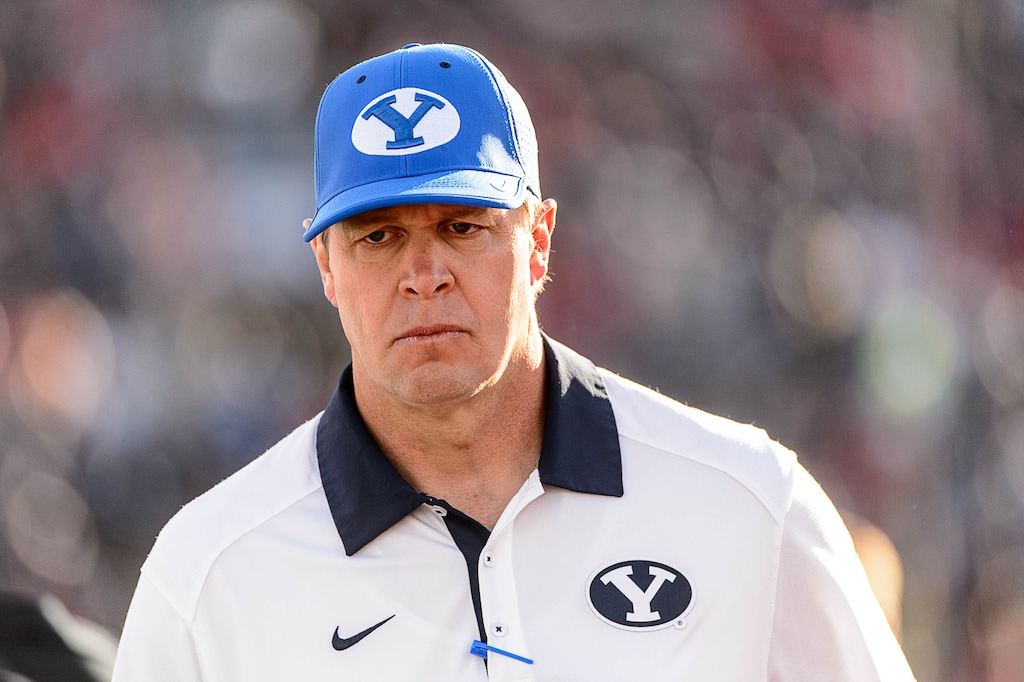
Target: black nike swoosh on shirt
342	643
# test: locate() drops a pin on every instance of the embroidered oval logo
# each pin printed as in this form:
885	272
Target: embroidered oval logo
640	595
405	121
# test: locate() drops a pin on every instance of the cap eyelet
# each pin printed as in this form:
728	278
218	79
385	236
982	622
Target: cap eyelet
360	79
445	65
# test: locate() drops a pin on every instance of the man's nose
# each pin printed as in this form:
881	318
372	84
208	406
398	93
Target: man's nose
426	274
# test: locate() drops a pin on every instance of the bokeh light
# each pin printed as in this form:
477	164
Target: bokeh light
655	210
910	355
822	273
50	529
232	352
66	355
760	160
260	55
999	344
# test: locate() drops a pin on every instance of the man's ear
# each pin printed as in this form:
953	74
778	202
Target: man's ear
323	262
543	226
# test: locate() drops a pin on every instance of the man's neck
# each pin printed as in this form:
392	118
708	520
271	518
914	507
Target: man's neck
475	454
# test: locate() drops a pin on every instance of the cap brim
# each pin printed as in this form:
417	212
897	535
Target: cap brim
463	187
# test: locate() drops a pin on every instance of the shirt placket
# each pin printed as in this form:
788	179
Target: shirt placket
498	594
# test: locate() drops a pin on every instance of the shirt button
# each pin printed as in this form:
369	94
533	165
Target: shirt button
498	629
488	559
439	510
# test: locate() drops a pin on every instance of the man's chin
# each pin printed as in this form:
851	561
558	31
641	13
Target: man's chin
435	382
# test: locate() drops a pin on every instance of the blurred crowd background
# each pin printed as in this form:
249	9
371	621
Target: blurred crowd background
804	214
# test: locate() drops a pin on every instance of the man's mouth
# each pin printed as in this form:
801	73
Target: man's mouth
425	334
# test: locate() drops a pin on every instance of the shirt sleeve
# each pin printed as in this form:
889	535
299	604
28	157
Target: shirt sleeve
156	643
828	624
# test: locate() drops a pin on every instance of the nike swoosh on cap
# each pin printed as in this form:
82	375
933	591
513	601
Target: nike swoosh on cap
342	643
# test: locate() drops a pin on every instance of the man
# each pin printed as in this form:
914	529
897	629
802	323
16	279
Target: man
477	501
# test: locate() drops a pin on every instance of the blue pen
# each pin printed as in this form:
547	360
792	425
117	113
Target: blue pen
480	649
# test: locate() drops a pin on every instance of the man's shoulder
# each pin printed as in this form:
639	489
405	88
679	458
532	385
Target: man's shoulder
194	538
743	452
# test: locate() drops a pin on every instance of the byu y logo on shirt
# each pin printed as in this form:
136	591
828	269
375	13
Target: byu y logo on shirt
640	595
405	121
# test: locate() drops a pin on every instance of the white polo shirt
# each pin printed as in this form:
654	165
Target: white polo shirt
653	542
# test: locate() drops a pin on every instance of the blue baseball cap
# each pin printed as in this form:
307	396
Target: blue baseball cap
423	124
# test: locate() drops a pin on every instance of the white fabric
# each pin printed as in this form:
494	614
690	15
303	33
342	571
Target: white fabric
250	581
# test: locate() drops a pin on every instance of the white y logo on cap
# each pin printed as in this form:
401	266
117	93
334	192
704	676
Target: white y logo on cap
405	121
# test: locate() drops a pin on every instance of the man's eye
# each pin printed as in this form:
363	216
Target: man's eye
462	228
376	237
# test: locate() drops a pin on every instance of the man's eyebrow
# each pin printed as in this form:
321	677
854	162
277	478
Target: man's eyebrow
384	215
361	220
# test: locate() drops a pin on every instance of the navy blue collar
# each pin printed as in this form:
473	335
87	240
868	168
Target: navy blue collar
367	495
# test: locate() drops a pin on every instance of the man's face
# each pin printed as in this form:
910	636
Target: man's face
437	301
